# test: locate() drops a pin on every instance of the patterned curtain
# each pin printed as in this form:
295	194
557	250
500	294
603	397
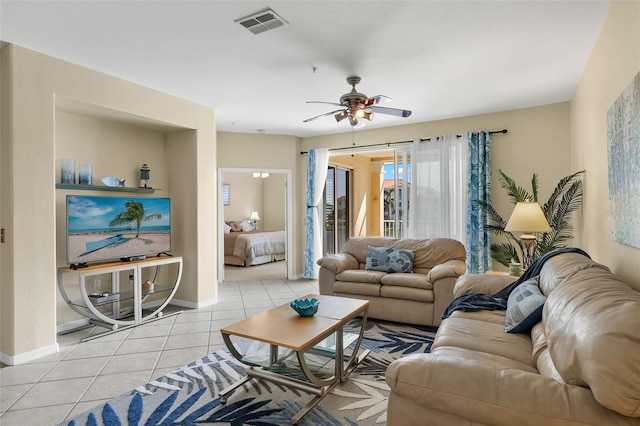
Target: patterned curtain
478	242
317	163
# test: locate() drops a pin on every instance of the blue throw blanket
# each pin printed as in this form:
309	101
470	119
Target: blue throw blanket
498	301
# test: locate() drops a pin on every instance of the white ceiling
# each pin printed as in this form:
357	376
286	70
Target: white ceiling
440	59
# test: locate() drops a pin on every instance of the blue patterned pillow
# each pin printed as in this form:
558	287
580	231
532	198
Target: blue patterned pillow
389	260
524	307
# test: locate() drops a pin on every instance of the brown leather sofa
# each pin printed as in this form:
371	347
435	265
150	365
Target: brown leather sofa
418	297
579	365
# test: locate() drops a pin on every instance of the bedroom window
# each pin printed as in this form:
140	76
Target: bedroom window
337	218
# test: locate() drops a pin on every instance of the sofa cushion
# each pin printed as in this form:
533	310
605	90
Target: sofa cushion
407	293
482	336
524	307
359	288
407	280
388	259
593	329
361	275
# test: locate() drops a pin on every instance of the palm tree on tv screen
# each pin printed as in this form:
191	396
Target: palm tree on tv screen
133	213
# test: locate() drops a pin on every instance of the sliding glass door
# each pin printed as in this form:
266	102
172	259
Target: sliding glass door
337	217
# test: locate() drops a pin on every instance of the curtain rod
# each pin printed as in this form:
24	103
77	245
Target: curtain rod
394	143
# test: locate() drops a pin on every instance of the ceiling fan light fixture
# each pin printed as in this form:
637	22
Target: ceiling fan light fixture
368	115
359	113
341	116
353	120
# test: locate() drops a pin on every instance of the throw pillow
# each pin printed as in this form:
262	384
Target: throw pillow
235	226
524	307
227	228
245	227
389	260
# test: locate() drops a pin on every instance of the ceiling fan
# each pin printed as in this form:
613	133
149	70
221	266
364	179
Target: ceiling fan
357	105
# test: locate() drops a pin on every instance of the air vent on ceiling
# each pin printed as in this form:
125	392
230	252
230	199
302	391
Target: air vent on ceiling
262	21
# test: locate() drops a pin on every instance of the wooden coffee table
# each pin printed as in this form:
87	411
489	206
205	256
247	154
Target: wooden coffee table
286	333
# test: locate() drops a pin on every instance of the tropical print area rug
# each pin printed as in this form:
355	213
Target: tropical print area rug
189	395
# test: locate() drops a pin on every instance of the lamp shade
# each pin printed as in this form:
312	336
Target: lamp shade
527	217
254	216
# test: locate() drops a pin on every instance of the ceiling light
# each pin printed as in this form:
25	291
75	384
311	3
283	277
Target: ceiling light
368	115
353	120
341	115
359	113
261	21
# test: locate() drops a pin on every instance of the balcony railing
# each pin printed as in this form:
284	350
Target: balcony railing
389	229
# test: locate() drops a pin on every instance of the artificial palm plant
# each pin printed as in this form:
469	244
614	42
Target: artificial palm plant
565	199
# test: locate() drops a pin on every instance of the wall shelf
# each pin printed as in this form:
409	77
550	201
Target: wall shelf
105	188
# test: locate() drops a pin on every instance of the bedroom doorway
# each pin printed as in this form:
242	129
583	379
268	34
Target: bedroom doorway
267	193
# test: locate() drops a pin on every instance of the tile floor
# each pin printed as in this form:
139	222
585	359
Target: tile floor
82	375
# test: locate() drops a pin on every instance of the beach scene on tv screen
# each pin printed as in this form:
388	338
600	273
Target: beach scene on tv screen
106	228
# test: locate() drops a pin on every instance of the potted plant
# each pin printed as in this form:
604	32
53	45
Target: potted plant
565	199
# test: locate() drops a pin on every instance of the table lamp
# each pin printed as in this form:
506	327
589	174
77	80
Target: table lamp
528	218
253	218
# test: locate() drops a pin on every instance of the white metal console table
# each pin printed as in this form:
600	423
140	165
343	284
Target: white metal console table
124	299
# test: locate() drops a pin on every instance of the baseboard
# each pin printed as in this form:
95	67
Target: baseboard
29	356
192	305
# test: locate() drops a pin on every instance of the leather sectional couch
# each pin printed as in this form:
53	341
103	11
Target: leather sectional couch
415	297
579	365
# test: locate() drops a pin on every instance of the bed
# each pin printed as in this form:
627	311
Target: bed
243	248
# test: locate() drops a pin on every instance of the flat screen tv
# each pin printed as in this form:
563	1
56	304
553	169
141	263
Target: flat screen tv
116	228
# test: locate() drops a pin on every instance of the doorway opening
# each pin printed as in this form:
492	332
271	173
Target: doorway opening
243	191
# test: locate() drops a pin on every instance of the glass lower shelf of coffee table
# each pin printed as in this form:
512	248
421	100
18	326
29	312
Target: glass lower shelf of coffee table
320	359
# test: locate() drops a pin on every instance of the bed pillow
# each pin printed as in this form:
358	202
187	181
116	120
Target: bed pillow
235	226
387	259
227	228
245	227
524	307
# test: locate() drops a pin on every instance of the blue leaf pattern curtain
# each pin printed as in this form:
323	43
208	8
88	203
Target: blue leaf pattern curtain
478	188
317	163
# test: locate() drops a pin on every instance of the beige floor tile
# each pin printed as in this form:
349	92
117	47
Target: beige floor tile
43	416
26	373
10	394
181	356
93	349
131	362
136	346
72	369
45	394
112	385
179	341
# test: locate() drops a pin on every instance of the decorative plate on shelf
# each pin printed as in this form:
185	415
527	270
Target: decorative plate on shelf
112	181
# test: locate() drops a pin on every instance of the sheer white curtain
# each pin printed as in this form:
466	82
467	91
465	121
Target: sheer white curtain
438	206
317	163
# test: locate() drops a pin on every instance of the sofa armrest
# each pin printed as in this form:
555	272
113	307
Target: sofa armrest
479	283
451	268
337	263
492	392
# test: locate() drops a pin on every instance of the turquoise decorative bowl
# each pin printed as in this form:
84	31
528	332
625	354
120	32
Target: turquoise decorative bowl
305	307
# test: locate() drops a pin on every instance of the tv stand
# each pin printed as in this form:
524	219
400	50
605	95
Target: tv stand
126	296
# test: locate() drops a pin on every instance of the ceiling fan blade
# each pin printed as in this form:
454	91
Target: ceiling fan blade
391	111
323	102
322	115
377	99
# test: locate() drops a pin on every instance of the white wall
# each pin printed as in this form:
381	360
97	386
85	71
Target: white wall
32	85
614	61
